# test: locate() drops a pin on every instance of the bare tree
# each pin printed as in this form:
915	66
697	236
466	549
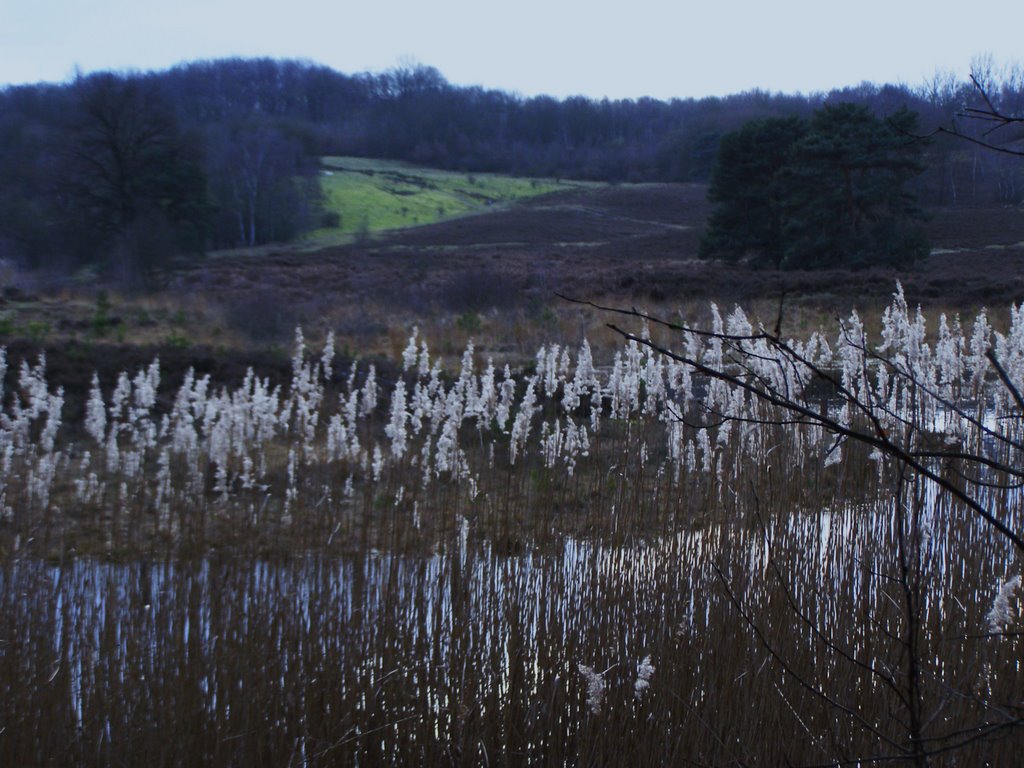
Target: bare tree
994	109
130	172
263	183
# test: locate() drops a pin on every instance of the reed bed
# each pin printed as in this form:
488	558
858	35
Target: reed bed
563	566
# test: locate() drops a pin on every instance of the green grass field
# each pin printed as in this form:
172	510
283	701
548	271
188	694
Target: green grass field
374	195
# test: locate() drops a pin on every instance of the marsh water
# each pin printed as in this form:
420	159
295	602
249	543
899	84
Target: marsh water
470	653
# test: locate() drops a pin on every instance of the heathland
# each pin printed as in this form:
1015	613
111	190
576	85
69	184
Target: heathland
488	267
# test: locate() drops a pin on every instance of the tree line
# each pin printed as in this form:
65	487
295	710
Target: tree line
223	153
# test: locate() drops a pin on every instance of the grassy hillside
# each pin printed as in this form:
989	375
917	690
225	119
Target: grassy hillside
374	195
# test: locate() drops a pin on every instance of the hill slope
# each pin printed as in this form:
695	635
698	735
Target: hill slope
370	196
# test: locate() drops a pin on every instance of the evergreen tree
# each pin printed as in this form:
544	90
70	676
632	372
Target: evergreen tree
844	200
748	219
821	193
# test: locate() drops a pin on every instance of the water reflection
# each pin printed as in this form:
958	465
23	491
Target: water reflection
374	657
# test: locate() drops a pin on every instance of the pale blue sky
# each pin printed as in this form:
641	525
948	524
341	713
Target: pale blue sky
561	47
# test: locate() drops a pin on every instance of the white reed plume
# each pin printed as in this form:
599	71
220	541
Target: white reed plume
523	421
119	401
424	366
409	355
552	365
724	431
644	673
298	355
434	378
96	412
40	479
615	386
466	366
584	380
163	485
487	398
1009	349
113	453
54	405
976	361
551	440
377	468
292	492
246	479
419	407
632	376
949	354
851	350
1002	613
447	454
706	452
577	444
327	357
395	429
351	415
595	688
368	398
144	388
32	401
654	383
425	464
713	349
903	337
506	398
184	438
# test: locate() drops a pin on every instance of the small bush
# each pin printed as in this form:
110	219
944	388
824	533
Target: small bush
478	292
262	317
102	320
469	322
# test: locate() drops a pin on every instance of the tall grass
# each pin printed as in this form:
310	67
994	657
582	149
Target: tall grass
564	566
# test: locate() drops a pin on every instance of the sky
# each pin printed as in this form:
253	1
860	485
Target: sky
628	49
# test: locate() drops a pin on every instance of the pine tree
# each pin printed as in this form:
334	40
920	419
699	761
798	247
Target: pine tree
844	200
748	219
821	193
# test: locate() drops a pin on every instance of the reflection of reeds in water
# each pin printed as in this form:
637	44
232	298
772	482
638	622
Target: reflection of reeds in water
473	655
567	567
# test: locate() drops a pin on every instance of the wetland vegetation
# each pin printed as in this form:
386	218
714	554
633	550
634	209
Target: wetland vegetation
558	566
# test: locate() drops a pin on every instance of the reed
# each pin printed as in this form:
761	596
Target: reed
560	567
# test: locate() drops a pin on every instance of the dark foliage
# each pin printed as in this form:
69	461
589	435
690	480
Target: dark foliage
131	180
844	192
262	185
828	192
745	187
